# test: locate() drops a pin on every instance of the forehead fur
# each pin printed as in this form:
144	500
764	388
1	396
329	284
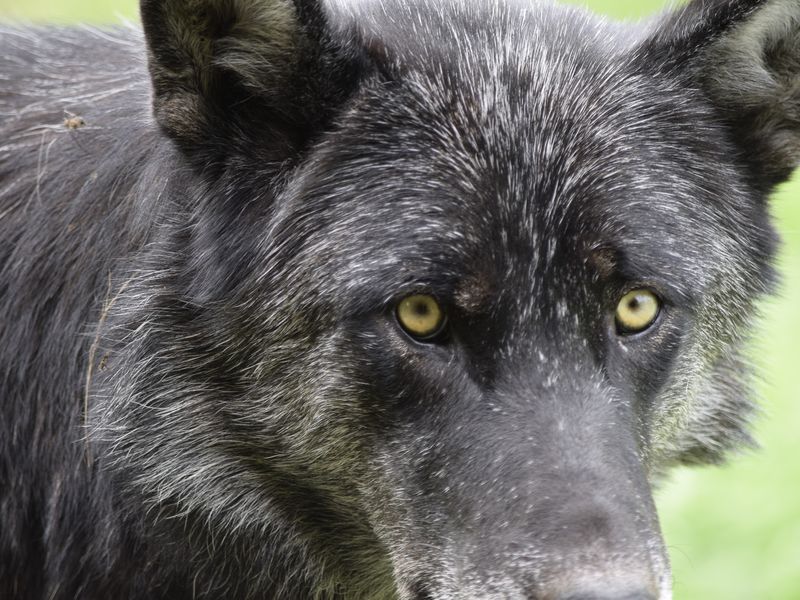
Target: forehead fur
479	31
515	120
542	85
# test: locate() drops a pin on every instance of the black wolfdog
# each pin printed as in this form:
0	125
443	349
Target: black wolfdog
409	300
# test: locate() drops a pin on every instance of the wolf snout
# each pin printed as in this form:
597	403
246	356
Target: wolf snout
609	587
593	542
601	595
598	552
600	589
611	582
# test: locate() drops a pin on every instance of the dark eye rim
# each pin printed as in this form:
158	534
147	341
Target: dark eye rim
626	333
438	336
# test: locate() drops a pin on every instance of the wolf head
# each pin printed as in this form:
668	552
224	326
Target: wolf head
447	286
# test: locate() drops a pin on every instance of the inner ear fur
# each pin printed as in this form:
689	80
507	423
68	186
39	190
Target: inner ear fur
745	56
753	75
223	67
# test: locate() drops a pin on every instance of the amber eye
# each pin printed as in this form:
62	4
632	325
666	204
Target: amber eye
421	316
636	311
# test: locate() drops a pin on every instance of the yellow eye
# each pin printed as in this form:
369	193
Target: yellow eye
637	310
421	316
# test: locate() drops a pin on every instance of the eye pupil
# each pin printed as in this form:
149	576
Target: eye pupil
637	311
421	317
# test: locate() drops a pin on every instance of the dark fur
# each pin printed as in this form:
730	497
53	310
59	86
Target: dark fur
204	389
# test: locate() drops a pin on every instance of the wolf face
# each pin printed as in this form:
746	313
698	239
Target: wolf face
429	295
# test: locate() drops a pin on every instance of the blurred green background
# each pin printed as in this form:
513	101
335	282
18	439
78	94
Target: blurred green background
733	532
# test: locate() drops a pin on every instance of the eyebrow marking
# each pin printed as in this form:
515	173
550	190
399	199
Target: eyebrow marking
604	260
473	293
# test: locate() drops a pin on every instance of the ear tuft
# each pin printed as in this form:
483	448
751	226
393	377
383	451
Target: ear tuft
223	67
753	75
745	56
690	29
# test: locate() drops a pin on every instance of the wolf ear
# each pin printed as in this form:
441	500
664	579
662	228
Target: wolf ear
226	72
745	56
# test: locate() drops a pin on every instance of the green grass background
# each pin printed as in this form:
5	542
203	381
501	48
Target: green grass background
733	532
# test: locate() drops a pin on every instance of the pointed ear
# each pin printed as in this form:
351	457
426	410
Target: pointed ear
226	73
745	56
